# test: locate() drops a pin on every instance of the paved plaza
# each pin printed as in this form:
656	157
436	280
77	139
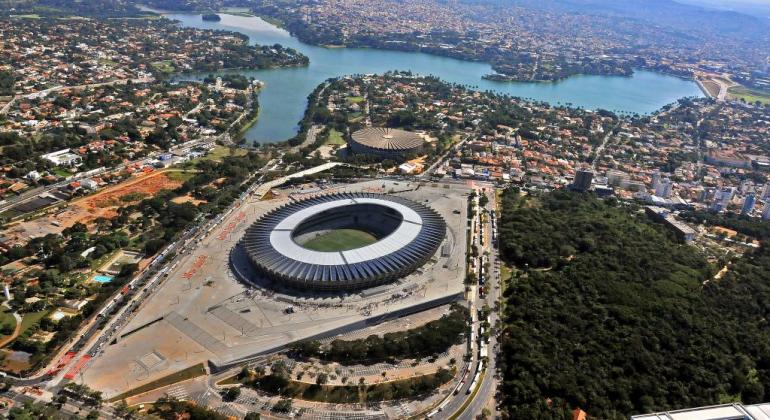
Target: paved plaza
206	313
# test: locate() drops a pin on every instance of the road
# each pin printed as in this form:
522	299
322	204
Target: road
455	405
725	84
600	149
488	385
312	132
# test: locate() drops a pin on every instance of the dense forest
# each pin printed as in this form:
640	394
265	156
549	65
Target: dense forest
6	83
426	340
608	313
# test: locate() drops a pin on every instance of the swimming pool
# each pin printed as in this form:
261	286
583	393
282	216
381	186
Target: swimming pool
103	279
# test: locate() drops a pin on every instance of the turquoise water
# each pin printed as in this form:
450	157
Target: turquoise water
284	98
103	279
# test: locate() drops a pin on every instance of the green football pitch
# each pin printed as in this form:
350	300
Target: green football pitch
340	240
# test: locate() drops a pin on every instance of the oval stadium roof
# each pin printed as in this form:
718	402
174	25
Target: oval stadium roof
271	247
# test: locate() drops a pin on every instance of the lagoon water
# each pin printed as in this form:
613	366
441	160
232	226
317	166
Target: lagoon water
284	98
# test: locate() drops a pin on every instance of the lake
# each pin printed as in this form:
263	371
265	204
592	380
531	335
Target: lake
284	98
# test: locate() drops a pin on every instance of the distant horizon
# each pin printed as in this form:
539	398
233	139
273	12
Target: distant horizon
757	8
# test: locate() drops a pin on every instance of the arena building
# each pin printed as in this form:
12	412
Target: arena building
343	242
385	142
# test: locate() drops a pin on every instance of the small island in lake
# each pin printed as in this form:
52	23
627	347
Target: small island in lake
211	17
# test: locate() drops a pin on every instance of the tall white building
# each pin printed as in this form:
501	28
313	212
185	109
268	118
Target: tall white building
722	198
663	188
766	191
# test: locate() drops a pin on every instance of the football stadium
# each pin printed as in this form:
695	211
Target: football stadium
343	242
385	142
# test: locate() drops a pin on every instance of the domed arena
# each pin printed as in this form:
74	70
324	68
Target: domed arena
343	242
385	142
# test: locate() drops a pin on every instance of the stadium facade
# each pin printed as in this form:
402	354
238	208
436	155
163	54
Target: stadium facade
388	143
407	234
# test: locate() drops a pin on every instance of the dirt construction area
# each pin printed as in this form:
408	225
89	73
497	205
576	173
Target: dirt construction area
127	192
86	210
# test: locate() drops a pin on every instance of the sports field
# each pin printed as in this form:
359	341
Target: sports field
335	137
340	240
749	95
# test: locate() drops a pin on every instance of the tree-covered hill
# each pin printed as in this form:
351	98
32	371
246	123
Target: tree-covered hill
610	313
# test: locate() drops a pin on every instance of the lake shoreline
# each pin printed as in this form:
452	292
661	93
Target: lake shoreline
284	100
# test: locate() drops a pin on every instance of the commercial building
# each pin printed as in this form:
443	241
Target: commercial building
63	158
682	230
582	181
734	411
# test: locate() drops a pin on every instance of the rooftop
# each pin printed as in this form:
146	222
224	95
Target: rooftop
715	412
387	138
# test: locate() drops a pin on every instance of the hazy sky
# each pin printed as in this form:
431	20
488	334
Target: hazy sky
751	7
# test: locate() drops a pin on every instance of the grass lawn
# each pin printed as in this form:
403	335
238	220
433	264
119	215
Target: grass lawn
182	375
6	318
61	172
273	21
233	10
340	240
9	214
355	117
221	152
355	99
749	95
218	154
31	319
99	262
180	176
233	380
250	123
107	62
335	137
243	13
164	66
505	272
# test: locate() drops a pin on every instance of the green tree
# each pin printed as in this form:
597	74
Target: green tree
232	393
